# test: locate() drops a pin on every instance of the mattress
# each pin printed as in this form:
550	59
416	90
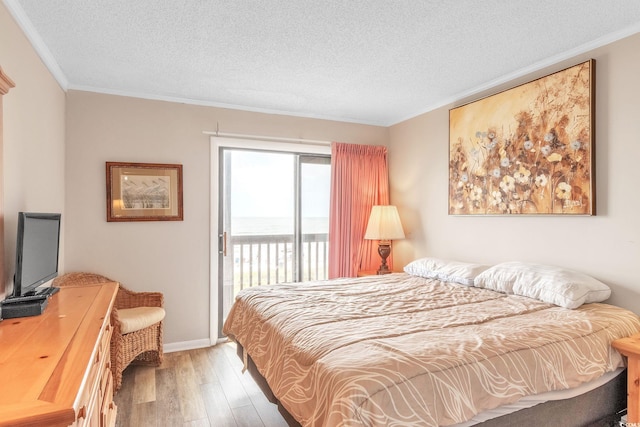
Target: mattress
402	349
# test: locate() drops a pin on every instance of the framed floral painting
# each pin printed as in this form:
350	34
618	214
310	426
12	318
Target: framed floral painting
526	151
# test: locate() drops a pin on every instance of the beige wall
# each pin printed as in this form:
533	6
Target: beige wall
606	245
34	138
172	257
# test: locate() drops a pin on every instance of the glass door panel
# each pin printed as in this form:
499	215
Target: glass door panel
273	222
315	188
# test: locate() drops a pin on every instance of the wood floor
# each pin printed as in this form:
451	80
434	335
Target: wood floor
203	387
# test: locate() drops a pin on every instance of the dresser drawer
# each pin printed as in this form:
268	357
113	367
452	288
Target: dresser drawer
97	393
108	409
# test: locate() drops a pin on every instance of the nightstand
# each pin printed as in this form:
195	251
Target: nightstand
630	347
363	273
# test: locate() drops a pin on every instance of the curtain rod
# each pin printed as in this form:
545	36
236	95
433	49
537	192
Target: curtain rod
267	138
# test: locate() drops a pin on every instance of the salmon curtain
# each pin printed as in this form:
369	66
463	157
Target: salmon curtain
359	180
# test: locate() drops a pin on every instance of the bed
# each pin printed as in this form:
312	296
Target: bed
445	343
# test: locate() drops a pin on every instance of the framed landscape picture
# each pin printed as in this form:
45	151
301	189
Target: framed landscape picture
144	192
526	151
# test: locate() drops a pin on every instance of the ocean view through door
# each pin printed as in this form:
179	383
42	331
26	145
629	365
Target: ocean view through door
273	219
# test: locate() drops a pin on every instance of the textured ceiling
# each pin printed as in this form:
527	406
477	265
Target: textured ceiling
376	61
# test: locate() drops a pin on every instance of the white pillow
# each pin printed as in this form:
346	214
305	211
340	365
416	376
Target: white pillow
447	271
555	285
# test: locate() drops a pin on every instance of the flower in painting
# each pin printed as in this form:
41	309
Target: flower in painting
546	150
491	135
522	175
575	145
476	193
496	198
504	162
563	191
464	178
528	145
541	180
508	184
492	144
555	157
496	172
548	137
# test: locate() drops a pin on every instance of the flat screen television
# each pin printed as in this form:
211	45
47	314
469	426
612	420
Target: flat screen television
37	250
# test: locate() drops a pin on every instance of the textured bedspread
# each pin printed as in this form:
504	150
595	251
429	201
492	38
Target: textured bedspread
402	350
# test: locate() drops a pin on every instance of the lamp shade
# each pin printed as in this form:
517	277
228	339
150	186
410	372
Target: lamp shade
384	224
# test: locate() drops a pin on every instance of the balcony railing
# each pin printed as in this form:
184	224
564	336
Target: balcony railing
255	260
263	260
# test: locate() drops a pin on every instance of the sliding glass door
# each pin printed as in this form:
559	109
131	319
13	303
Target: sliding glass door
273	219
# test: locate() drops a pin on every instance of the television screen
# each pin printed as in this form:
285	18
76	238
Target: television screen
37	248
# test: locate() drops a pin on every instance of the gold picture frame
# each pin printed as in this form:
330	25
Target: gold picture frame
144	192
528	150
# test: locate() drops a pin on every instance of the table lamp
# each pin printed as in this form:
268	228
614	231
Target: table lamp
384	225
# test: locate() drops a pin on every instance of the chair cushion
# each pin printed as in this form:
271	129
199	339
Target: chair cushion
134	319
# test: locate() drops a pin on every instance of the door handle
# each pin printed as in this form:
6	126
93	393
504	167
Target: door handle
223	243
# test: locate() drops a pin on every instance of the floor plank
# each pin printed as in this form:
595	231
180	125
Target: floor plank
203	422
191	403
203	366
144	415
144	389
233	389
203	387
168	402
247	416
218	410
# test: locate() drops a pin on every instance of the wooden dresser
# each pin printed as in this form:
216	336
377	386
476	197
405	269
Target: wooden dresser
55	367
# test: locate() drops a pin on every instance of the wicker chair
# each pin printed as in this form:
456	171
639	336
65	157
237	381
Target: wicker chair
141	346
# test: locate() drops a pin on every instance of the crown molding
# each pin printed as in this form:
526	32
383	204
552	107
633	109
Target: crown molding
38	44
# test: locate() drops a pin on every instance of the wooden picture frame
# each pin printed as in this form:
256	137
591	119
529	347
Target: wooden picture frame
144	192
528	150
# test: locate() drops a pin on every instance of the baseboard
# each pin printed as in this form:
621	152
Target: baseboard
186	345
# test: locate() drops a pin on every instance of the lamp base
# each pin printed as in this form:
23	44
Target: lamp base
384	249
